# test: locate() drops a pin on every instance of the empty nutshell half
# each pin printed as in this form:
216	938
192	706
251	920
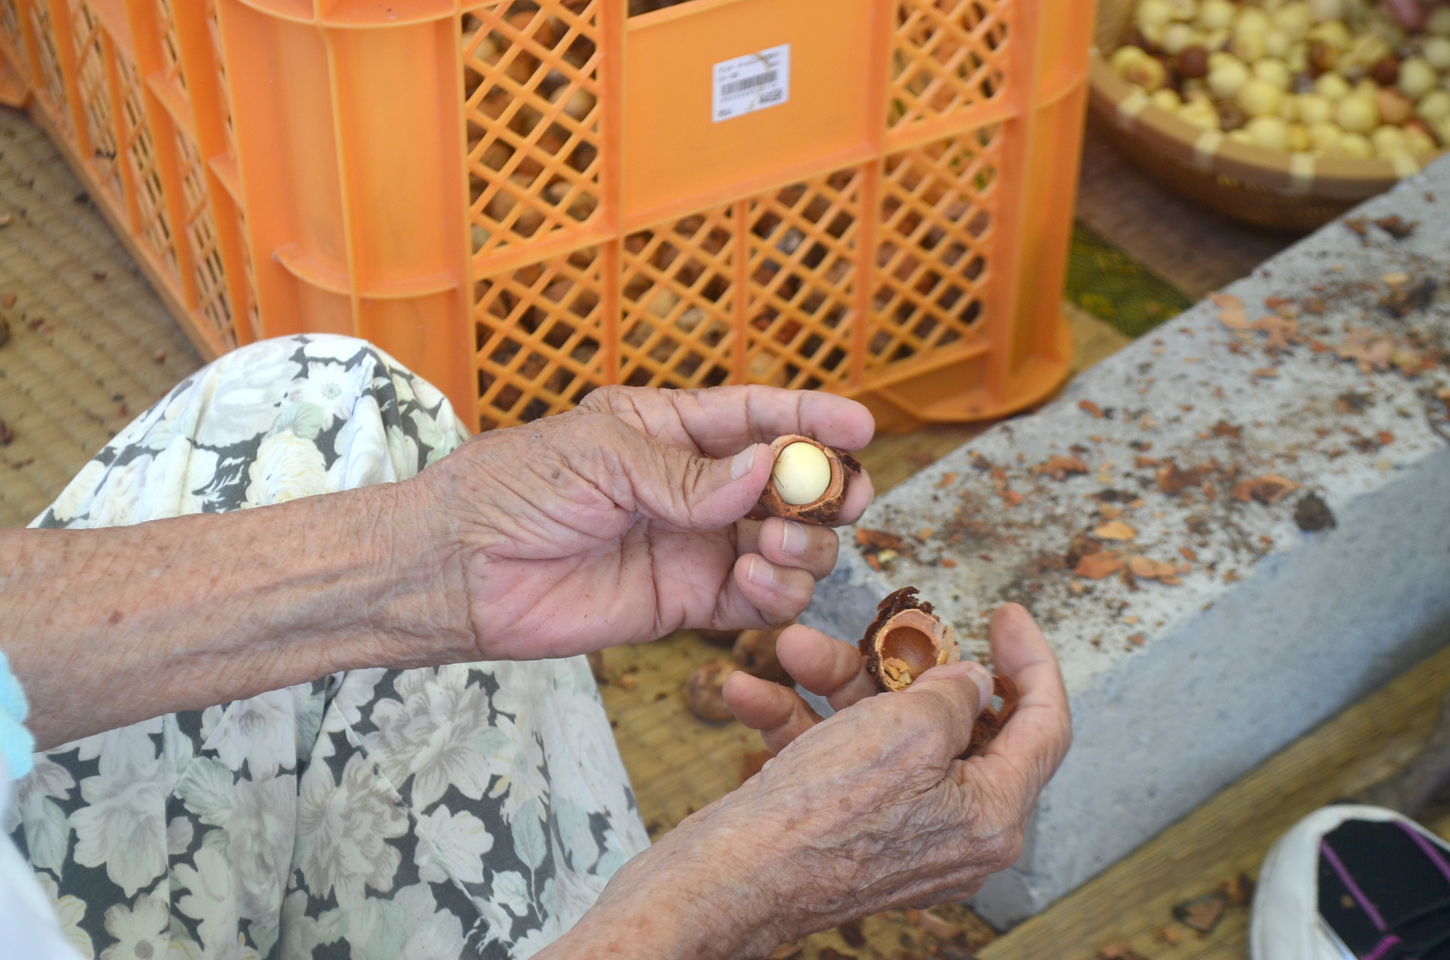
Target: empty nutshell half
907	639
808	481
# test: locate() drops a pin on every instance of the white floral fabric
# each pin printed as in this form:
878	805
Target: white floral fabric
464	811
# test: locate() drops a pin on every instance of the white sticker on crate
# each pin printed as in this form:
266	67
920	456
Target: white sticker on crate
752	82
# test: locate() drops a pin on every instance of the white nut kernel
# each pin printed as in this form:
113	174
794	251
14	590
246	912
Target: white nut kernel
1355	145
1123	57
1357	114
1434	105
1437	51
1260	98
802	473
1314	108
1271	132
1226	78
1417	77
1219	14
1388	141
1331	86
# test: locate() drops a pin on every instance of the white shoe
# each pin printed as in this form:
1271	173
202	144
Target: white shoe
1353	882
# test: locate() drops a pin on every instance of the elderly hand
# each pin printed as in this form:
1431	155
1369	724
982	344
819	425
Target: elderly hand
621	521
866	811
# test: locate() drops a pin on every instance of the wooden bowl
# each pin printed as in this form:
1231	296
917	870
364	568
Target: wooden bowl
1268	188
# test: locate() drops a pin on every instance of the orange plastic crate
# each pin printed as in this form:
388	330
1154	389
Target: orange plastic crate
526	199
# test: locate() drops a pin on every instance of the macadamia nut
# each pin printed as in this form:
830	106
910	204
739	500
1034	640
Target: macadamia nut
1201	114
1436	50
1439	22
1259	97
1332	32
1355	145
1250	19
1273	71
1123	56
1166	99
1153	13
1227	77
1418	142
1270	132
1178	37
1388	141
1248	46
1417	77
1394	106
1326	9
801	474
1434	105
1314	108
1325	135
1147	72
1219	14
1357	114
1331	86
1294	19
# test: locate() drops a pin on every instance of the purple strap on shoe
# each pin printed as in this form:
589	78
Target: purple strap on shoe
1426	847
1354	890
1382	948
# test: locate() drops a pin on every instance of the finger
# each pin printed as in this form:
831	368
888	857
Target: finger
825	666
779	593
720	421
950	697
663	482
788	543
726	418
1039	733
859	494
777	712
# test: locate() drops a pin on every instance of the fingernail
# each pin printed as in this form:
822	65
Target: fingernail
984	684
793	540
742	462
760	573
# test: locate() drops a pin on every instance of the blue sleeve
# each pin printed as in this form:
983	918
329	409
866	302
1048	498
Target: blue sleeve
16	743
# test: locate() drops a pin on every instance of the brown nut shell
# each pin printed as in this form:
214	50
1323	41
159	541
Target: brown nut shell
825	509
906	639
704	690
755	654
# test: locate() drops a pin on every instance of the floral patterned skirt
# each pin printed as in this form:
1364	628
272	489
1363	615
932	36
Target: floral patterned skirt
464	811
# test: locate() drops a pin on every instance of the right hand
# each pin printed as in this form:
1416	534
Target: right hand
864	812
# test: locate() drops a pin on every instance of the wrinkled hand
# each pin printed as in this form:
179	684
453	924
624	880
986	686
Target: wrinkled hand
621	520
863	812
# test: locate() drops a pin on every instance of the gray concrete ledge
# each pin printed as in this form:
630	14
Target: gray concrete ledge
1177	690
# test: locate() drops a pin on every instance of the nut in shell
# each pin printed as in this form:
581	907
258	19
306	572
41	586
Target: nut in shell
907	638
754	653
704	690
808	482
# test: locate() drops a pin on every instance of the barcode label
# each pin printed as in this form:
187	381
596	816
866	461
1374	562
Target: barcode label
751	83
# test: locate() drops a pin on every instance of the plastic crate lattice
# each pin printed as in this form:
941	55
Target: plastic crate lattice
532	85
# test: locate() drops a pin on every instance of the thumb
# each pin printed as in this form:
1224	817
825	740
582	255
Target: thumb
690	492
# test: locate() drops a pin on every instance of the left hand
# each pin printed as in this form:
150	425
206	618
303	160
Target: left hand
622	520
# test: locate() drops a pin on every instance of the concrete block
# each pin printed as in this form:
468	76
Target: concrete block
1178	689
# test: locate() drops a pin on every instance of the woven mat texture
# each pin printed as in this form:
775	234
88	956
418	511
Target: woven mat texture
90	344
